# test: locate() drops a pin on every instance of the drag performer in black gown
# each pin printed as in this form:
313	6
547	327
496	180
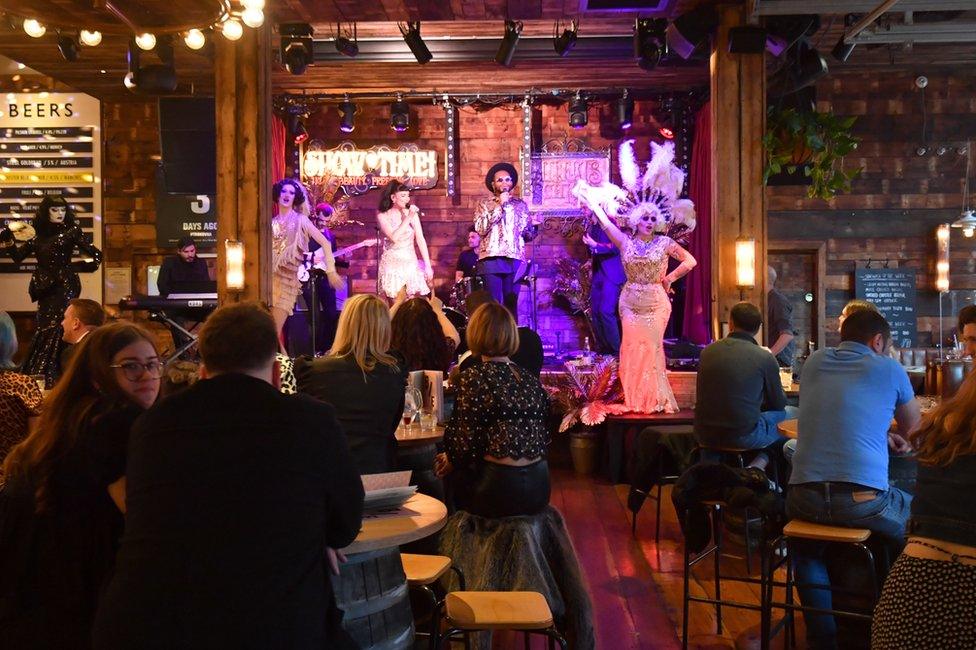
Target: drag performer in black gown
55	280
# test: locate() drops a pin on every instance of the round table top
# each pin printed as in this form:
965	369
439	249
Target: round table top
788	428
419	517
415	436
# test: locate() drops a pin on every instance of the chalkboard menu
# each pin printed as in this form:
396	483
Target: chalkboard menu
893	291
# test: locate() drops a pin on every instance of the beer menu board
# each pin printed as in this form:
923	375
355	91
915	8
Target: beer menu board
893	291
50	145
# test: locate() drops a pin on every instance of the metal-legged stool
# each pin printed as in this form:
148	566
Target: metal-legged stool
659	484
421	572
477	611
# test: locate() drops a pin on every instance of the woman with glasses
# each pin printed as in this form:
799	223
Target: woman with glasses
61	507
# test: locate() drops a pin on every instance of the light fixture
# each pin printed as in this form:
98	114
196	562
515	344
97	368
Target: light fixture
296	46
399	115
129	81
411	36
69	47
690	31
347	116
296	125
33	28
783	32
745	263
942	258
968	220
565	42
253	18
90	38
195	39
625	111
253	4
146	41
578	109
234	265
347	46
803	67
232	29
650	41
506	49
842	51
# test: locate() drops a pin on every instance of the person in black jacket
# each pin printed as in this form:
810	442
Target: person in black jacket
362	381
181	268
237	494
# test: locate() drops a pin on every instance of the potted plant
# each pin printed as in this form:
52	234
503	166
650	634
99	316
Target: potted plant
586	395
811	141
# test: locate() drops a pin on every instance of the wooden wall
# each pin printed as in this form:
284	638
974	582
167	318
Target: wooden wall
894	208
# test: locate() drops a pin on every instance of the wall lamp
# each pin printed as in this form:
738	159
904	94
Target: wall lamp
234	264
745	263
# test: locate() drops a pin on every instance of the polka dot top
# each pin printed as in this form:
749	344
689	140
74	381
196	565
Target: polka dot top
500	410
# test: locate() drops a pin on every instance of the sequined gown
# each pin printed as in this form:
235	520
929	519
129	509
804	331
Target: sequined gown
644	312
289	243
54	283
399	265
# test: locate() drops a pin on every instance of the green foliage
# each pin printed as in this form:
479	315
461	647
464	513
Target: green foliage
817	142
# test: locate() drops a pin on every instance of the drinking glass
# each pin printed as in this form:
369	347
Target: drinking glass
428	419
413	401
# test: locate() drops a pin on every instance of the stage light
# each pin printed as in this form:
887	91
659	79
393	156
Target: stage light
146	41
666	133
296	126
783	32
399	115
297	51
69	47
411	36
347	46
232	29
625	111
842	51
253	18
650	42
565	42
506	49
33	28
578	108
347	116
690	31
90	38
195	39
803	67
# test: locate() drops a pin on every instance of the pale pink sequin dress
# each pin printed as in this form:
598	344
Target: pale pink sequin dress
644	312
400	267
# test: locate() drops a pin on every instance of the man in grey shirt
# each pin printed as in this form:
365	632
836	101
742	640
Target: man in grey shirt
780	322
740	399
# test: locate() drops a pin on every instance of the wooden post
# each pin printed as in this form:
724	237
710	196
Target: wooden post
738	116
242	73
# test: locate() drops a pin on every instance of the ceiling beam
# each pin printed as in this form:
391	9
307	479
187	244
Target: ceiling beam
791	7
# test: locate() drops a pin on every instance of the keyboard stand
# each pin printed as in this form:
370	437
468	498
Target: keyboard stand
175	328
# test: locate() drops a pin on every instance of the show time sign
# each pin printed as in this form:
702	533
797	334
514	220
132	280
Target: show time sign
362	169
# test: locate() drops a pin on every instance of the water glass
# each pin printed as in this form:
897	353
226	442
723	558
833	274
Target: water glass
428	419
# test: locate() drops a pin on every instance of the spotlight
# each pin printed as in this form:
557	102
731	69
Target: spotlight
33	28
411	36
347	119
690	31
506	49
399	115
650	42
69	47
565	42
146	41
151	79
802	68
253	18
346	46
625	111
782	32
90	39
666	132
842	51
578	108
232	29
296	126
195	39
296	46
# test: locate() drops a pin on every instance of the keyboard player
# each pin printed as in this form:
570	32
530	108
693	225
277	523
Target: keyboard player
180	273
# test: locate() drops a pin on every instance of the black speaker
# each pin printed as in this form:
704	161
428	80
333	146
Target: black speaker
188	141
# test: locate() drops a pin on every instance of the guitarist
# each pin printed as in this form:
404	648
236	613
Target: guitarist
328	316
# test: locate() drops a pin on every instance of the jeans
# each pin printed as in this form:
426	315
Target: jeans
763	435
834	504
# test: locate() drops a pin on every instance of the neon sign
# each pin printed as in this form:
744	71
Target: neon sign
373	167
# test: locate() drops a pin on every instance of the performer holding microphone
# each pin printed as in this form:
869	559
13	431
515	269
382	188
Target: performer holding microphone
504	224
400	223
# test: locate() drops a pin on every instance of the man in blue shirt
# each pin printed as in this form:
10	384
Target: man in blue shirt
840	470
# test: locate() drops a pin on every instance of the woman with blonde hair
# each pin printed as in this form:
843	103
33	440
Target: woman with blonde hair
929	596
61	506
363	382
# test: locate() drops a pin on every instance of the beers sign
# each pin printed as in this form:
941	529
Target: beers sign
373	167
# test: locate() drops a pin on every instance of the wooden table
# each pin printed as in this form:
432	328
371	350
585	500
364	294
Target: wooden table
419	517
621	430
788	428
417	437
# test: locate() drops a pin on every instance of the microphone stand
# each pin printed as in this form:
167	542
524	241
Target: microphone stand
379	243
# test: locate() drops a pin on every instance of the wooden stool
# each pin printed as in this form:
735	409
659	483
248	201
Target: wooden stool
476	611
798	529
422	571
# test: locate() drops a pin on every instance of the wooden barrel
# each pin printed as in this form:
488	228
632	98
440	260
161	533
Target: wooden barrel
371	590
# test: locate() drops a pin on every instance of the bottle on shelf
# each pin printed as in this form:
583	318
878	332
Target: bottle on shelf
587	353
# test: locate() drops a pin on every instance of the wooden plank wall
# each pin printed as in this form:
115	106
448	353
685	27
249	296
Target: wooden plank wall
893	210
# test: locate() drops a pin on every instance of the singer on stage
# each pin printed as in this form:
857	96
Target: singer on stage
400	223
504	223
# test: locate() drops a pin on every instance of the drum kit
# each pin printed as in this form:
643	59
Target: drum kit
455	310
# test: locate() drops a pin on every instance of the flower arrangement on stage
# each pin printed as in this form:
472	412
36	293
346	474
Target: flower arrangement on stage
587	394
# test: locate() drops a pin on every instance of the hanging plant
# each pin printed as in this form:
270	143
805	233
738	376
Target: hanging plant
814	142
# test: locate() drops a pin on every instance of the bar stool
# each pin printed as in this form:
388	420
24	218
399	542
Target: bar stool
421	572
661	481
798	529
478	611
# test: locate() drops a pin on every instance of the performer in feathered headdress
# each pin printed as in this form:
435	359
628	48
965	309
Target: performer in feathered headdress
647	206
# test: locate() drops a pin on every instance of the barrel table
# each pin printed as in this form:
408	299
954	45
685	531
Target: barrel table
371	588
416	448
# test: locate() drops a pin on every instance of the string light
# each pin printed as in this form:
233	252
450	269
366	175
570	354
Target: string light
232	29
253	18
253	4
146	41
33	28
90	38
195	39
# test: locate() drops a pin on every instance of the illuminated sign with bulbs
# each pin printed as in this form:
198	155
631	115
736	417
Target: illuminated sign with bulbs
362	169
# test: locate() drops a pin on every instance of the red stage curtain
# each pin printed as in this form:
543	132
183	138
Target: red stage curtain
698	285
278	135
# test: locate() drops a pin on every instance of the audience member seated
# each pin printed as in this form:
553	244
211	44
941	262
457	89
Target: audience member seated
504	535
852	306
529	354
421	334
840	470
81	317
20	396
741	399
235	491
362	381
966	330
59	527
929	598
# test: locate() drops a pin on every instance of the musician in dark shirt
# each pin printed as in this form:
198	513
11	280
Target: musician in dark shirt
327	318
185	266
468	259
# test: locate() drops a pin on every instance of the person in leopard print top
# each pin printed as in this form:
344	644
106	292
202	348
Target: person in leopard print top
20	397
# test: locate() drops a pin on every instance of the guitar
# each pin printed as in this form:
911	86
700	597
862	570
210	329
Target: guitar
319	257
342	252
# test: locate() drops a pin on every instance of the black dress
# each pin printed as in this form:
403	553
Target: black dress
54	283
53	565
